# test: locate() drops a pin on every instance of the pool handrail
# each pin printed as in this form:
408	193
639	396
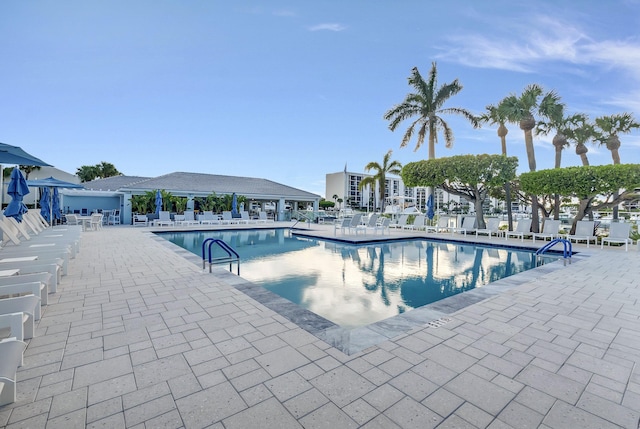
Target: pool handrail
567	247
232	255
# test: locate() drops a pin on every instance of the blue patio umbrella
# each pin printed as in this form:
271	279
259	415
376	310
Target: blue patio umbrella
158	202
45	203
234	205
430	212
17	189
56	205
15	155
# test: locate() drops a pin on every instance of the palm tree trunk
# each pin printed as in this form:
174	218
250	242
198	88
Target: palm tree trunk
531	156
556	197
585	160
615	155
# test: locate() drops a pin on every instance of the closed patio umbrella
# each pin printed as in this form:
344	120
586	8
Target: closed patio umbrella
430	212
234	205
45	203
158	202
17	189
55	205
13	155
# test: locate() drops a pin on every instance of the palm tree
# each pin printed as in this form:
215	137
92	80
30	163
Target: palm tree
521	110
498	115
557	122
426	104
380	176
609	128
581	131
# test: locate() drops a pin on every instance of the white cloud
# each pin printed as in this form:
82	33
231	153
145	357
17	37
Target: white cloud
546	39
327	26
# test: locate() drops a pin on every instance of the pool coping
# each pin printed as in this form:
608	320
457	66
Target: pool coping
354	340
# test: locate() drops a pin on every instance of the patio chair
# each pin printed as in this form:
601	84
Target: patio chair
402	221
25	304
618	233
263	218
522	228
441	226
493	227
114	218
341	224
354	223
383	226
96	221
208	218
418	223
37	289
11	350
164	218
140	220
468	224
550	230
228	219
371	223
585	231
245	218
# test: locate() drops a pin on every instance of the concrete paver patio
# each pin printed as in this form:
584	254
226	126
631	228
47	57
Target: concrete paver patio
138	336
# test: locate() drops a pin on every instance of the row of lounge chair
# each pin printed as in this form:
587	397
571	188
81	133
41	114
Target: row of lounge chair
33	257
206	218
585	230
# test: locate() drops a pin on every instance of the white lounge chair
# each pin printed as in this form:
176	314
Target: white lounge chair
263	218
523	228
418	223
41	277
383	226
550	230
355	223
402	221
341	224
246	219
585	230
12	325
11	351
618	233
208	218
441	226
493	227
372	221
228	219
26	304
37	289
164	218
468	224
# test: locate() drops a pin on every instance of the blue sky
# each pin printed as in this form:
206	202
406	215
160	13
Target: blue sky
292	90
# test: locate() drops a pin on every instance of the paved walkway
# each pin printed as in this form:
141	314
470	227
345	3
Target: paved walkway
137	336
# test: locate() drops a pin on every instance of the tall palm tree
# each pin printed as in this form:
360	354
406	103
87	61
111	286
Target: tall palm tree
380	176
557	122
426	104
521	110
498	115
610	126
581	131
608	129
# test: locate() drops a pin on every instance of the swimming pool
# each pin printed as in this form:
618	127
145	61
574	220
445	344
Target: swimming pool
357	285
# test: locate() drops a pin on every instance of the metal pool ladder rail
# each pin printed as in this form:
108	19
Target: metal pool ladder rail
566	253
232	255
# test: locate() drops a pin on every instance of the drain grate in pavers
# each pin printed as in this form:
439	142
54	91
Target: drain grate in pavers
439	322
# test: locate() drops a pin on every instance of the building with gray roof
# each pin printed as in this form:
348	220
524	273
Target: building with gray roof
189	185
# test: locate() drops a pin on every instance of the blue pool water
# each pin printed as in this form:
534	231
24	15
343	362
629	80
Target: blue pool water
355	285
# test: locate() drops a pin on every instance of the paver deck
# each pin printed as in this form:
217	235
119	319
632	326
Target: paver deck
138	336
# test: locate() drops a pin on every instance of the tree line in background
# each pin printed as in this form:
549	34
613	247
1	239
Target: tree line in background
87	173
146	203
534	110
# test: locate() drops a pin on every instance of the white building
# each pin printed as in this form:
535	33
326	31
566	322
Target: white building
345	185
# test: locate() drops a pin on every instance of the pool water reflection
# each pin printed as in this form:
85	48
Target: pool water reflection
356	285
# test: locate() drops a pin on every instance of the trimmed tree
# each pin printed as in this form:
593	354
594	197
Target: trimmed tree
586	183
468	176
